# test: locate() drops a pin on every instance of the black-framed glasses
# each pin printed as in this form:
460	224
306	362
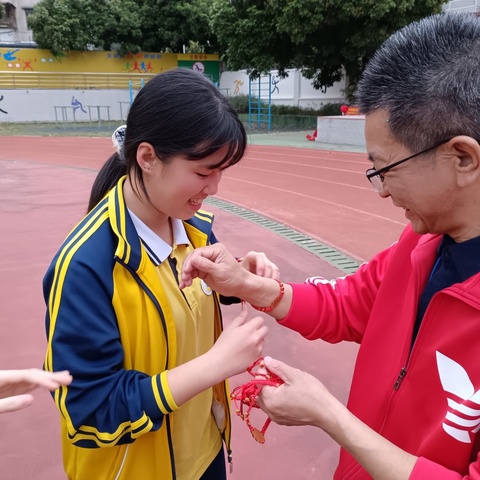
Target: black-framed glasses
376	177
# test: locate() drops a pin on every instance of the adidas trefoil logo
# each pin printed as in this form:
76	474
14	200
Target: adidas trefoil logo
462	419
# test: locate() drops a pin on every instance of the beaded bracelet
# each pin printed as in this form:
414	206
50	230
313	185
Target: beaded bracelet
275	302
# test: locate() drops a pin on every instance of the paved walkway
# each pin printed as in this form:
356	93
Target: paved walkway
298	140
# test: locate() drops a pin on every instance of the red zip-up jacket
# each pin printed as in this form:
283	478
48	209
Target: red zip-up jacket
426	398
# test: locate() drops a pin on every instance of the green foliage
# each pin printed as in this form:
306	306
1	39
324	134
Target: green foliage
69	24
324	110
325	39
2	10
123	25
330	109
240	103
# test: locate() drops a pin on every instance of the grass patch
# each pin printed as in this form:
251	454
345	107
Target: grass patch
49	129
280	123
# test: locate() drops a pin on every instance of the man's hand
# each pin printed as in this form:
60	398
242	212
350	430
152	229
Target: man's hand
216	266
301	400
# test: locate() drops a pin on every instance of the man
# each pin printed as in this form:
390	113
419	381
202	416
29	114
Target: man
414	405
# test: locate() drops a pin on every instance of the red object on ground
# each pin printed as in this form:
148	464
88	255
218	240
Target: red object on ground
312	137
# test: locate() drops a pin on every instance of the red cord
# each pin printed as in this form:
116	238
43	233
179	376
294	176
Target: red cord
246	395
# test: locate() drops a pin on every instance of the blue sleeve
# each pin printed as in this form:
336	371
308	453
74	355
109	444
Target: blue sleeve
105	404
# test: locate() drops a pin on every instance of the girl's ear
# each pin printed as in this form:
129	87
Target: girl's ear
146	156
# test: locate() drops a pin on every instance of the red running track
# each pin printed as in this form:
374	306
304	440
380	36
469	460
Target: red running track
44	187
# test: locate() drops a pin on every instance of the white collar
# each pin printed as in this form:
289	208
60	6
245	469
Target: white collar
157	248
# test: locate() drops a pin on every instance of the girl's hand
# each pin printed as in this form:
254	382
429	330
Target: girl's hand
16	385
259	264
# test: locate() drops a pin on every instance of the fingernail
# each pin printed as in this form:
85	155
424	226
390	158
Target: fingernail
267	359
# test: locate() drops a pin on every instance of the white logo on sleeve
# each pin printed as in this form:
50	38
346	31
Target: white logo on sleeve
321	281
461	422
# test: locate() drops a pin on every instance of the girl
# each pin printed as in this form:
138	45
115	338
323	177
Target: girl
149	361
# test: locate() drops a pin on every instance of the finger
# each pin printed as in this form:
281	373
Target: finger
200	266
189	269
264	397
268	271
241	318
187	274
263	331
277	367
261	264
58	379
272	271
40	378
187	277
18	402
276	273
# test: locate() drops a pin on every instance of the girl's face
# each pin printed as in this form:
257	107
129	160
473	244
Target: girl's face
178	188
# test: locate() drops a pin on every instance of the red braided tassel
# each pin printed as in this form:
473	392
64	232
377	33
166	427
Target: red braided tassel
246	395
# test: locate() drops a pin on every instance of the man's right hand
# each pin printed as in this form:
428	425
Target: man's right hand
216	266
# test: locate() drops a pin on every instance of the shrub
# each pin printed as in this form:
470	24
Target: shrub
240	103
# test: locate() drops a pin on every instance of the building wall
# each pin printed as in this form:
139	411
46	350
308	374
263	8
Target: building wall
462	6
19	32
341	130
293	90
61	105
17	60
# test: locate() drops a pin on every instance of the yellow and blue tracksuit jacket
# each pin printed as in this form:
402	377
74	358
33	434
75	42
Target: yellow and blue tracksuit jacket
108	322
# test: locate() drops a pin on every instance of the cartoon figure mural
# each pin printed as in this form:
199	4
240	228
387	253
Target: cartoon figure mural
136	68
238	84
40	60
275	82
10	55
3	111
27	64
77	104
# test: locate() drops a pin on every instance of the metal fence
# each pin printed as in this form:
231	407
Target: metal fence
66	80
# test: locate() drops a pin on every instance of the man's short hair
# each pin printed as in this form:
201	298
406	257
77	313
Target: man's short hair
426	76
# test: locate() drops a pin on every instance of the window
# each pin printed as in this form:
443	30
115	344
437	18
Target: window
28	12
9	19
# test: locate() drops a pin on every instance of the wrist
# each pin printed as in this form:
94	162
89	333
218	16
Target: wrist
259	291
275	301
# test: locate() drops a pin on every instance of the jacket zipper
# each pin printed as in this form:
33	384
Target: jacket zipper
403	371
400	377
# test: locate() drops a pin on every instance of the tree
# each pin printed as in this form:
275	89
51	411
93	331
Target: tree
2	10
325	39
122	25
60	25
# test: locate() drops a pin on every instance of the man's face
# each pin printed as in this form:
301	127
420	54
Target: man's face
425	186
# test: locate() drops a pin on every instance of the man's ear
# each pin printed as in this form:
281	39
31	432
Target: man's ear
466	152
146	157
